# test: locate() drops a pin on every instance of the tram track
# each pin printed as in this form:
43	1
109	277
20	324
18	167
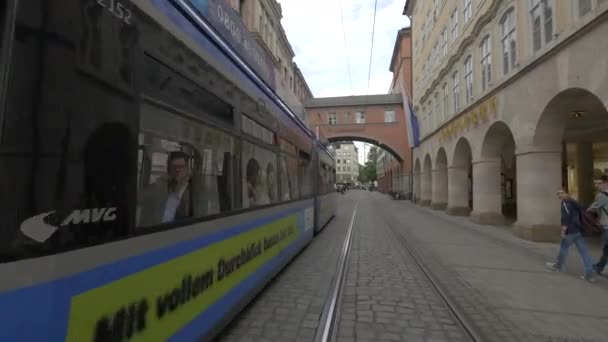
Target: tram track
328	324
459	317
327	330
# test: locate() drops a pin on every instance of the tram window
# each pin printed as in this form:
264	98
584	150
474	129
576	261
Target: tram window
180	180
290	176
306	175
259	172
285	188
168	186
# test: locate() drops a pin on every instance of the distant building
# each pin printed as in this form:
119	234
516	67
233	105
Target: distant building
263	19
347	162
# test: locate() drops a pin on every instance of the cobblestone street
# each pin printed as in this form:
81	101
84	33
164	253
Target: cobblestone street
290	307
387	297
495	283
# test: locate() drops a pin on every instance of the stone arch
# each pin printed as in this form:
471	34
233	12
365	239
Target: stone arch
427	181
417	181
575	123
560	120
460	179
381	144
440	180
495	177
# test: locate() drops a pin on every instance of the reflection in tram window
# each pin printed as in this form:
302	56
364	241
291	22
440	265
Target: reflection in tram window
285	188
257	190
167	188
292	177
272	183
170	191
306	173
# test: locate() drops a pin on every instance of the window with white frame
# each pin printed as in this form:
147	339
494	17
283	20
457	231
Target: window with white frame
424	120
333	119
454	21
468	79
360	117
485	50
431	116
437	111
468	10
436	55
389	116
509	45
444	43
541	13
445	100
586	6
456	82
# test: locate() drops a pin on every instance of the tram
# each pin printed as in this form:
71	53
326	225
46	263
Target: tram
151	181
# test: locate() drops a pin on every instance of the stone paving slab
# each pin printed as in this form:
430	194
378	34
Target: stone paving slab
500	280
386	297
289	308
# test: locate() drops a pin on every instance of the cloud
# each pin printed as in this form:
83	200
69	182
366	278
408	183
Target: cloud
314	29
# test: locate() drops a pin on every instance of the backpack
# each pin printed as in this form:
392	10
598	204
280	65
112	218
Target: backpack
590	221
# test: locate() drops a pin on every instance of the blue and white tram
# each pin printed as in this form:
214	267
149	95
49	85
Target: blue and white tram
151	183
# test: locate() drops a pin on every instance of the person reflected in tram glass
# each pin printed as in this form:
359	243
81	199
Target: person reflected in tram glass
178	204
272	183
252	177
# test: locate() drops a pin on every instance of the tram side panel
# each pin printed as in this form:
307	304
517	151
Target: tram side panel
70	162
325	204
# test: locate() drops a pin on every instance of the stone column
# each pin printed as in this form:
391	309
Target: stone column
538	179
487	197
426	188
458	192
417	188
440	189
584	172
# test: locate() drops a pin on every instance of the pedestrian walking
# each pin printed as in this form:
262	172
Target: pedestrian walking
571	233
601	206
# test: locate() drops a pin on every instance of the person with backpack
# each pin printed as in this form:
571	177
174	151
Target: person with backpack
571	212
601	206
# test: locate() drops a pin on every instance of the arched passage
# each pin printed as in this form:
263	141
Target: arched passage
377	143
577	122
427	181
460	180
569	148
495	177
417	181
440	181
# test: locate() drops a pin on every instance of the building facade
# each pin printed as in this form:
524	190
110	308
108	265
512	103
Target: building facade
394	175
511	100
263	19
347	163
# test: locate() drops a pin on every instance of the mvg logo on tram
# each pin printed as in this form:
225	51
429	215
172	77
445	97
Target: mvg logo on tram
38	228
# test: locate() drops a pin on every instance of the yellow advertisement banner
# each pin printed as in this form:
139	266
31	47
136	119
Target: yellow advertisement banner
154	304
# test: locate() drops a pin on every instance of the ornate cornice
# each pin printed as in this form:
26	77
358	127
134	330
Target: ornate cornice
478	26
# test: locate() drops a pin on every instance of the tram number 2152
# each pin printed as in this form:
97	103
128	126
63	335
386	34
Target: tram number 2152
119	10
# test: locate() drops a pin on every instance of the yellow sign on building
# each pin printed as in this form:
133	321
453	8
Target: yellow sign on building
474	117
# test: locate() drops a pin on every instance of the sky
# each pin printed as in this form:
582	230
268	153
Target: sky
315	32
